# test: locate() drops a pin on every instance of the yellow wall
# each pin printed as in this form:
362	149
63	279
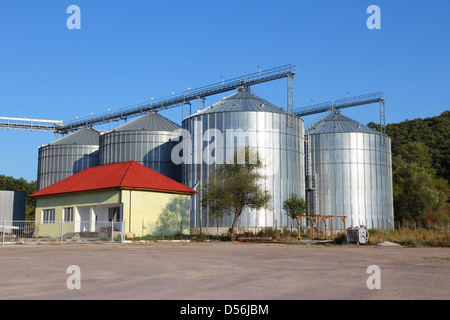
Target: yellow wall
155	213
59	202
79	199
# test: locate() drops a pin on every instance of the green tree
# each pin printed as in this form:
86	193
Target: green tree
417	152
421	167
295	206
433	132
233	187
415	191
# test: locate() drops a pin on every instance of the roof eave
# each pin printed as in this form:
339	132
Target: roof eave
187	192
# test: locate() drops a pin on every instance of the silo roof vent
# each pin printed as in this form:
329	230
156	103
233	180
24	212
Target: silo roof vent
84	136
150	121
336	123
243	100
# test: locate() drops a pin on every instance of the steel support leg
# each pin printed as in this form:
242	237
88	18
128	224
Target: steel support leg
186	109
383	122
290	99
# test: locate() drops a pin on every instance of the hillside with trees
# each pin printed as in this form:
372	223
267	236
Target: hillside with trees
421	168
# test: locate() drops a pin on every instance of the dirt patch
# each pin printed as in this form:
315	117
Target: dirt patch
222	270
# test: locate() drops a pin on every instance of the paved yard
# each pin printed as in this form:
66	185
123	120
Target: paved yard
223	270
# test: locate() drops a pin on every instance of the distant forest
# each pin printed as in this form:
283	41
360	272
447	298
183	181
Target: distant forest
420	169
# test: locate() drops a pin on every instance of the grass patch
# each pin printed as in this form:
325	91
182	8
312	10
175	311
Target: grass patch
411	238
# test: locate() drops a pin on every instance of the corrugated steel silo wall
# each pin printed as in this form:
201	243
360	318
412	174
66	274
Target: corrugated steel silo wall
354	172
57	162
12	206
281	148
149	148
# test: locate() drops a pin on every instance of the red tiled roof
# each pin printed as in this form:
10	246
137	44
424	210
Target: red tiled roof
123	175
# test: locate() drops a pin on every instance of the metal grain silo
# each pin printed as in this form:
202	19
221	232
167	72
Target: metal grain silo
349	173
67	156
146	140
277	136
12	206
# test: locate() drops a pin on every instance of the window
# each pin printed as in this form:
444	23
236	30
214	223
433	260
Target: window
68	214
48	216
114	214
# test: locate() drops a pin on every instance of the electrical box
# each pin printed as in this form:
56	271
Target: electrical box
358	235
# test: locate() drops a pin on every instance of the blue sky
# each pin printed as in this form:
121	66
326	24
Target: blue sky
129	51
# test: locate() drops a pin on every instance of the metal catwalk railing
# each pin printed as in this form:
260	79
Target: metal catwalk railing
28	124
184	98
340	104
178	99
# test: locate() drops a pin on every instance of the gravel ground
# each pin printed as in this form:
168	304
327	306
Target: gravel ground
222	271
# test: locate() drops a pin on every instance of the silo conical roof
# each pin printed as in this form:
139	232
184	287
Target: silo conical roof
242	100
149	122
337	123
84	136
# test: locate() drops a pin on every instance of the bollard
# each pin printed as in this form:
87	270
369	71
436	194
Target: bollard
3	233
61	238
112	230
122	231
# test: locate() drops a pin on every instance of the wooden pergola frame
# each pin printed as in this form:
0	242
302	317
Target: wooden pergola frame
320	218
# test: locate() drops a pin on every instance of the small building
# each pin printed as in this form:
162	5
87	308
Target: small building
12	206
97	198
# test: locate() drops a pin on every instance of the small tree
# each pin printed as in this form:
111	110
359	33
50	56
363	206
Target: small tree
295	206
233	187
